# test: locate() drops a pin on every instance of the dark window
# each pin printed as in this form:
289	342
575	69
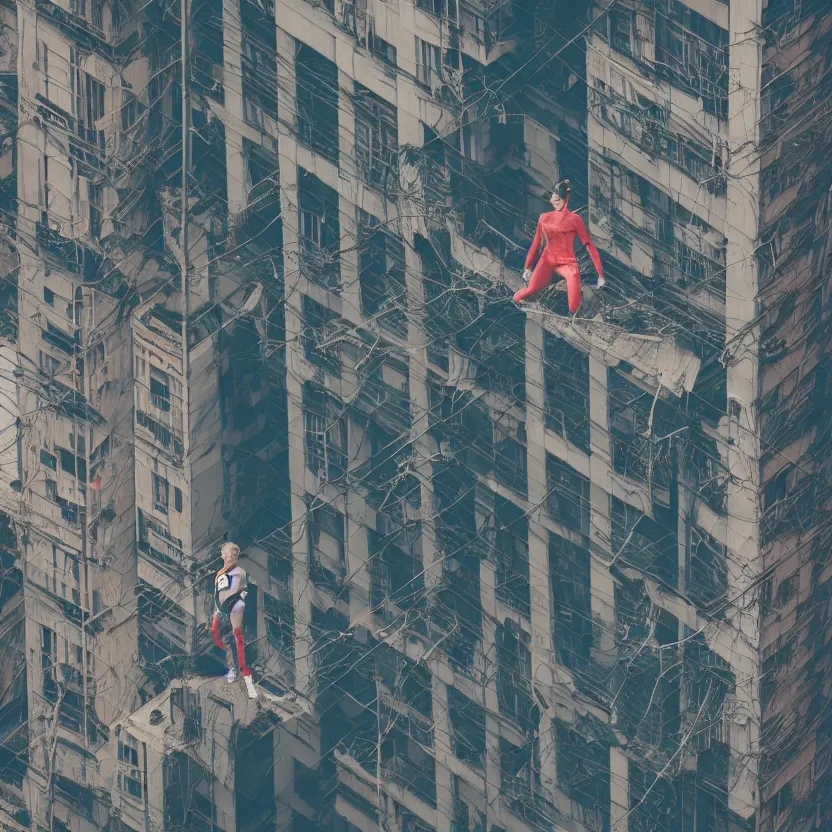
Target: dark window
467	724
583	772
49	460
707	573
567	391
317	102
177	499
568	498
161	493
514	674
279	617
395	567
511	550
692	53
159	389
376	139
320	333
647	544
327	564
571	596
381	272
259	60
325	432
320	235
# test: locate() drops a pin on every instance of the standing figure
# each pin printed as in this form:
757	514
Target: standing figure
230	588
558	229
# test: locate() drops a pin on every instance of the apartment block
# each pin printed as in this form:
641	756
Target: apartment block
510	570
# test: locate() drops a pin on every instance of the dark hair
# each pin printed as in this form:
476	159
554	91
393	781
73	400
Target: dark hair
563	188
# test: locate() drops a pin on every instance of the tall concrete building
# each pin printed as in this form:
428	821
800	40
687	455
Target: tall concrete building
511	570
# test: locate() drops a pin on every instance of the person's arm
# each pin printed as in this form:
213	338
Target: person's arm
236	581
533	251
583	236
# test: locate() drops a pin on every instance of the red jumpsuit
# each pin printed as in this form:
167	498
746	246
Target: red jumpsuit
559	229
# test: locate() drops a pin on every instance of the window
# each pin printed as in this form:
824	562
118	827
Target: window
621	30
376	139
48	363
707	569
325	429
87	100
317	102
381	273
67	461
90	11
130	777
177	499
320	336
568	495
159	389
467	724
327	564
160	493
279	617
49	296
130	109
52	491
514	673
259	59
128	750
378	47
48	650
567	391
49	460
428	63
511	551
583	769
320	235
692	54
571	597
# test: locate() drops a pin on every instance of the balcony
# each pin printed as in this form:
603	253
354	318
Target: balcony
65	254
496	32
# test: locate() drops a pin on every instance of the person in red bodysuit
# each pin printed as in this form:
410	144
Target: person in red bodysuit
558	229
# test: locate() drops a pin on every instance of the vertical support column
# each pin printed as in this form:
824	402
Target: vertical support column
442	742
600	531
492	707
286	83
542	618
358	553
742	336
294	381
349	197
424	447
232	42
619	790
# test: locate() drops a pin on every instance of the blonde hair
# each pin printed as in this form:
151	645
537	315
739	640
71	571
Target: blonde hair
230	547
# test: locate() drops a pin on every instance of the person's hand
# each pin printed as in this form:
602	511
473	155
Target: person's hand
527	275
602	281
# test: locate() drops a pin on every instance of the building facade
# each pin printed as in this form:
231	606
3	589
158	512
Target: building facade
511	571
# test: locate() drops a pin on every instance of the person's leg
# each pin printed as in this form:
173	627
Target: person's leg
215	630
572	276
226	637
542	276
237	626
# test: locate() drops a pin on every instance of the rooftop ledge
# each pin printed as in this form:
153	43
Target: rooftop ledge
165	729
657	360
